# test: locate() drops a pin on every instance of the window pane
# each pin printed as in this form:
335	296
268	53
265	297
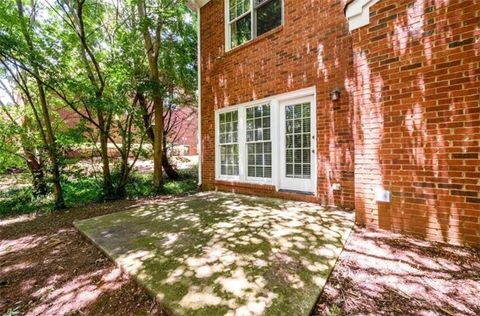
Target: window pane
250	136
238	7
289	112
249	113
289	170
266	134
240	31
267	147
269	16
229	160
268	172
259	172
251	171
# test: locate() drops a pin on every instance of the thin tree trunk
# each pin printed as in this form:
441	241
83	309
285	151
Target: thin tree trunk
151	50
34	163
167	167
39	185
51	141
169	170
157	142
107	177
99	84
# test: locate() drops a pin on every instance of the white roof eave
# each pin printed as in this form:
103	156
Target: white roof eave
196	4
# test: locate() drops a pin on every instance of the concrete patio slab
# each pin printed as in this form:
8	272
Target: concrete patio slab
225	254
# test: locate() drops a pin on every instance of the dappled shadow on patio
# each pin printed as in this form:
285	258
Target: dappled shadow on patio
390	274
225	254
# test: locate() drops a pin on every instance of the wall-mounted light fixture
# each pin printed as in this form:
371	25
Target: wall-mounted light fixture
335	94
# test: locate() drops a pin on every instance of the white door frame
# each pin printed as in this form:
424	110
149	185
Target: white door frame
297	184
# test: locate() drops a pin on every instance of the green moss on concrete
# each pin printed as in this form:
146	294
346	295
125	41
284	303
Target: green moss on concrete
221	254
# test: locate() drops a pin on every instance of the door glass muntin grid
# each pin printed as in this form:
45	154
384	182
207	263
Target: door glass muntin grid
298	141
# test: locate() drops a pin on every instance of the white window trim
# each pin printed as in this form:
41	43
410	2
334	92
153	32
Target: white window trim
253	35
275	133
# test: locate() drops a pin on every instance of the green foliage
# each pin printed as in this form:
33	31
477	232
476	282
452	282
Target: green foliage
335	311
141	185
21	201
10	162
80	190
13	311
99	76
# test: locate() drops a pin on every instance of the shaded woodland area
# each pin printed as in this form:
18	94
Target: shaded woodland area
118	69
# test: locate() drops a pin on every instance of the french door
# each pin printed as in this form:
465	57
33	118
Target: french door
297	145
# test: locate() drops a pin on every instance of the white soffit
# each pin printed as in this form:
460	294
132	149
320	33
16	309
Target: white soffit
358	13
194	4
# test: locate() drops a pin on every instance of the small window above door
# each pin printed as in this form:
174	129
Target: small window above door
247	19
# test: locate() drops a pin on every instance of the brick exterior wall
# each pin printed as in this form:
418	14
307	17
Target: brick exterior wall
416	99
408	118
312	48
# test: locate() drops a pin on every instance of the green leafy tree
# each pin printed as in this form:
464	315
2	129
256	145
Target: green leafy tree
168	30
18	35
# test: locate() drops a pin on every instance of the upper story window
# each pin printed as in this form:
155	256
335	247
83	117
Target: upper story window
248	19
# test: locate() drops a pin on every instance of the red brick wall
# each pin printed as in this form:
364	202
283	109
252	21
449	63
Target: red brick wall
416	96
312	48
185	128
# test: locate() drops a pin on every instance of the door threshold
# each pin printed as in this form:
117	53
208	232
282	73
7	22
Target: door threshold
297	192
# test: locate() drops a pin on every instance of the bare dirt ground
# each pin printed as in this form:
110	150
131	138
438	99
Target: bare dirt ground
48	268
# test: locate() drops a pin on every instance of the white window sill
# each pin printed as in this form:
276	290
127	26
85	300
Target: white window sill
247	181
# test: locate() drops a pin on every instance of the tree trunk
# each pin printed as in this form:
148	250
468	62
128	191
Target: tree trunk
39	185
169	170
151	49
51	141
33	160
167	167
52	151
157	142
107	177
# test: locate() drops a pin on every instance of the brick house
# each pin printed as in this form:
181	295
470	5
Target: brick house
181	123
366	104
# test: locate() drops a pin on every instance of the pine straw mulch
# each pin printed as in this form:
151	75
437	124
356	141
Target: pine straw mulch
381	273
48	268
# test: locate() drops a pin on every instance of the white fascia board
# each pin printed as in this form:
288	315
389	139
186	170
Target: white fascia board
194	4
358	13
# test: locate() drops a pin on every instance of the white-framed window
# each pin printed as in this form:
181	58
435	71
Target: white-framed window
228	139
259	141
269	141
247	19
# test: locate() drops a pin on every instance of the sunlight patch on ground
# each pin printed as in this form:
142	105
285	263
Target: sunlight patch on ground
224	254
78	293
16	219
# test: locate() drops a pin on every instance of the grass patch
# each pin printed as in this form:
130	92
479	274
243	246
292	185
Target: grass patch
141	186
84	190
